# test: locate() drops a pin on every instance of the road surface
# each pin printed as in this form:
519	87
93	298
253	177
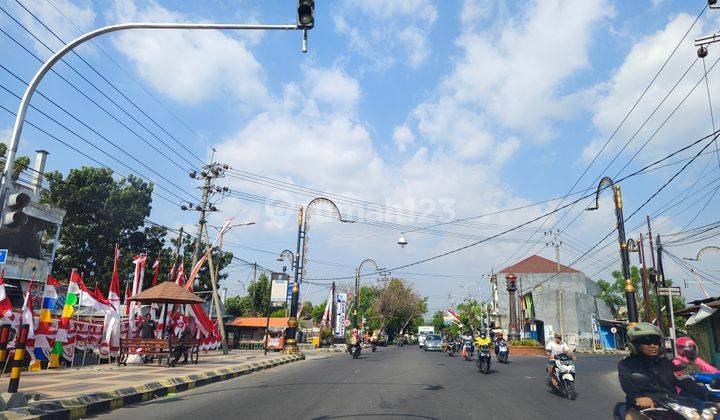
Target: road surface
393	383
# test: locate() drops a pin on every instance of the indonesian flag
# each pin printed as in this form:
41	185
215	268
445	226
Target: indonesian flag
87	298
156	271
139	262
180	280
128	295
28	319
114	292
327	314
5	305
451	316
111	325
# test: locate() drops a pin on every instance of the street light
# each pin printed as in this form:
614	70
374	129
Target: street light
704	251
624	254
290	332
45	68
357	287
287	254
402	241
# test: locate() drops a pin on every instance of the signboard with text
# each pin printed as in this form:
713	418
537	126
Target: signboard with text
341	309
278	290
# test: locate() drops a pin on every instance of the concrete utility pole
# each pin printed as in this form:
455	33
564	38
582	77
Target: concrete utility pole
252	305
556	243
658	306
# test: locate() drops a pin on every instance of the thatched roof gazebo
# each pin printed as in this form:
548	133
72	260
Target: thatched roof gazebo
167	293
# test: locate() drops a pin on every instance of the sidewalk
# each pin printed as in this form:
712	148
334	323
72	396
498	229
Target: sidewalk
74	393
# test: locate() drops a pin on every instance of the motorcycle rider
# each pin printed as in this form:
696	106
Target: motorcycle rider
499	341
355	339
482	340
686	357
553	348
645	341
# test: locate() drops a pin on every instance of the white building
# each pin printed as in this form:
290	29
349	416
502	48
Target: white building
540	289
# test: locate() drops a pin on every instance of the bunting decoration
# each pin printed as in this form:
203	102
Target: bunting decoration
71	299
49	299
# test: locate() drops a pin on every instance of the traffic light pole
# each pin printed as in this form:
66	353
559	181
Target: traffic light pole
5	180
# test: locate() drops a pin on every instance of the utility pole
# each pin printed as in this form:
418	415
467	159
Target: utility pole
209	173
177	255
661	280
658	306
252	306
556	243
645	284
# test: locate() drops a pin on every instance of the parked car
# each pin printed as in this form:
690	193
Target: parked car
433	342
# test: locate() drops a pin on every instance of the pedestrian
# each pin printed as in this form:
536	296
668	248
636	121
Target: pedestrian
148	327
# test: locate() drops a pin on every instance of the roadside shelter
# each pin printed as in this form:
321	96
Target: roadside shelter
703	325
249	332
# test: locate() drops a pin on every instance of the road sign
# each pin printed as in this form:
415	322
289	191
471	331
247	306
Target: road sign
665	291
3	256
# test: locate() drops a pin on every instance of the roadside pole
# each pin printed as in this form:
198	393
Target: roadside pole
267	319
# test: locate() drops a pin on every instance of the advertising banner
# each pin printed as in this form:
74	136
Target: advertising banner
341	308
278	290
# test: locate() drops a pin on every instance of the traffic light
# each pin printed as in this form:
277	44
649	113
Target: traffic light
306	13
15	217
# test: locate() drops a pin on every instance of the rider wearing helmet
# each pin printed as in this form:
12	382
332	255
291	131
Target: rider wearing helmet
688	360
482	340
645	341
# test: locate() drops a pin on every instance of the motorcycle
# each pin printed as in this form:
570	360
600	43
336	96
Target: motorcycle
711	381
400	341
468	349
564	374
483	359
451	348
668	407
355	351
373	346
502	354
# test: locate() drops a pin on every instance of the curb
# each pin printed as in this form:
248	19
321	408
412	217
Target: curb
90	404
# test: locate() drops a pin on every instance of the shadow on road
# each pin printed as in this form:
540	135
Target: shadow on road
346	416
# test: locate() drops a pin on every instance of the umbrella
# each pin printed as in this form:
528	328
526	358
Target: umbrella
165	293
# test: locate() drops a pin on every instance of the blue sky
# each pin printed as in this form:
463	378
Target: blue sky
410	113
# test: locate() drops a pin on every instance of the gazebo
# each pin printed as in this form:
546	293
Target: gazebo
167	293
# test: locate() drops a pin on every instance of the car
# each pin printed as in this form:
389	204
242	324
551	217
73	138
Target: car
433	342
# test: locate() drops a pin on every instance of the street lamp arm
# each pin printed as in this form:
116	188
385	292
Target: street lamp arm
704	251
45	68
368	260
331	204
604	183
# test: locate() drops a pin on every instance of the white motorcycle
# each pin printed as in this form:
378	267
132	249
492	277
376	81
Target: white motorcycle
564	374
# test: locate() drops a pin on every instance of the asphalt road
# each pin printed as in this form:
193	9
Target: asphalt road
393	383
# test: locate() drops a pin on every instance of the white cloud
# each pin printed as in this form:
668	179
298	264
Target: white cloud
81	14
403	137
628	82
381	30
333	87
190	66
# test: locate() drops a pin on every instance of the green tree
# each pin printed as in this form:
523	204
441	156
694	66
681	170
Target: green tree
318	311
306	310
438	321
233	306
256	298
399	307
614	294
101	212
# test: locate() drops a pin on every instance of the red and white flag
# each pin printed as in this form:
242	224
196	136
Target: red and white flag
111	325
5	305
156	271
